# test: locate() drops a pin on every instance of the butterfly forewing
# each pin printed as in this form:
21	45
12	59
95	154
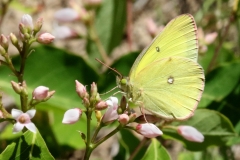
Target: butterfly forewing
170	88
179	38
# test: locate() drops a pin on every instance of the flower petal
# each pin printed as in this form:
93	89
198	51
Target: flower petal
114	100
31	127
148	130
190	133
31	113
16	113
71	116
17	127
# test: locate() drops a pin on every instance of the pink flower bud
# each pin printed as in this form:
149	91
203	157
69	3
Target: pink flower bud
4	42
151	27
190	133
101	105
148	130
27	21
71	116
45	38
13	39
123	119
111	113
80	89
16	87
1	114
93	91
64	32
38	25
210	37
40	93
66	15
2	51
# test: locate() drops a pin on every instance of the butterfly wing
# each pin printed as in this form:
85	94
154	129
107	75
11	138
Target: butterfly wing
170	88
179	38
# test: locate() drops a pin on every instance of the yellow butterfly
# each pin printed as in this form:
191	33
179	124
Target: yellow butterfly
166	79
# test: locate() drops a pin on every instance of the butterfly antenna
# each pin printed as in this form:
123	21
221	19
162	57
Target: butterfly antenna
109	91
110	68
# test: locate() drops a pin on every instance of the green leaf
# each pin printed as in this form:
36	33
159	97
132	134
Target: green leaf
220	82
29	146
156	151
216	128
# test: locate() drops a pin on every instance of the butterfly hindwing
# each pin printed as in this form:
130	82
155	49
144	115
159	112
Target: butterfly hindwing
170	88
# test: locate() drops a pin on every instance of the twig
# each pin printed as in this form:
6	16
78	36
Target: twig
221	40
129	23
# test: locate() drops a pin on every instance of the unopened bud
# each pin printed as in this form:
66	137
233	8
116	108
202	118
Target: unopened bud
4	42
24	88
45	38
2	51
38	25
93	90
16	87
86	102
72	116
40	93
1	114
98	115
64	32
81	90
101	105
50	94
190	133
98	98
123	119
132	117
13	39
26	20
148	130
22	29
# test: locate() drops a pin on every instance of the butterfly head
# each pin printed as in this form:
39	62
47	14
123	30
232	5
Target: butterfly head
123	83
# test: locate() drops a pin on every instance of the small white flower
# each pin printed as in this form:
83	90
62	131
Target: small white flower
148	130
72	116
23	120
111	113
190	133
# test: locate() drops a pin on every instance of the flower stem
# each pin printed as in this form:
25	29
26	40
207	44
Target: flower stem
139	147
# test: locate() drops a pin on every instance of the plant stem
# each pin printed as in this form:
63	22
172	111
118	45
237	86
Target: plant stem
129	23
94	36
139	147
221	40
107	136
89	148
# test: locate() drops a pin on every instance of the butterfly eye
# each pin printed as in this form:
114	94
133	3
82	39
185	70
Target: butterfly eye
157	49
123	81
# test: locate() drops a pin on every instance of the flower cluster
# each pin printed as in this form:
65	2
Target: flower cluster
143	124
28	33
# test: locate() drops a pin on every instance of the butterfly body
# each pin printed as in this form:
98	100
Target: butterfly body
165	78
